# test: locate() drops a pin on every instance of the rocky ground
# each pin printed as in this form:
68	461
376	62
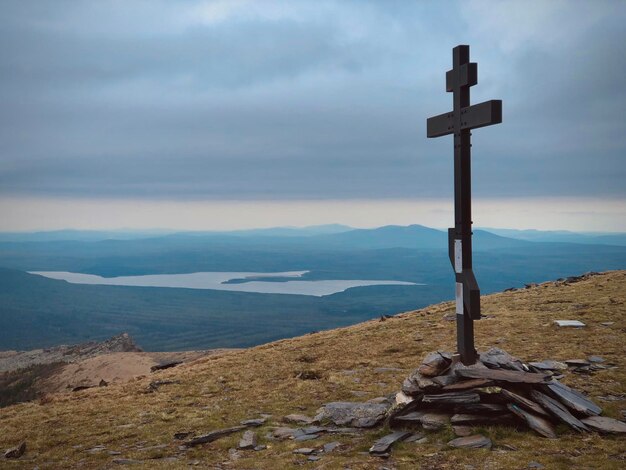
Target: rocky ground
28	375
323	400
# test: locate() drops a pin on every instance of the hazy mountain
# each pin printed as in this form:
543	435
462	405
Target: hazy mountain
594	238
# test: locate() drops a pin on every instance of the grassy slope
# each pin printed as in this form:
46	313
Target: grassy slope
219	391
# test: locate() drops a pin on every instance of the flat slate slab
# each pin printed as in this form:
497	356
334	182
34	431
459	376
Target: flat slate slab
358	415
606	425
451	398
471	442
501	375
212	436
429	420
538	424
523	402
467	385
572	399
558	410
548	365
465	419
382	445
569	323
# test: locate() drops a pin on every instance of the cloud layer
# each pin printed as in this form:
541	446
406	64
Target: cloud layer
307	100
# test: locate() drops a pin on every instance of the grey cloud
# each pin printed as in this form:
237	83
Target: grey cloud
296	106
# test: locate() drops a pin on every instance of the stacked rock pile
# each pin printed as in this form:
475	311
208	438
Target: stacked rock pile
498	389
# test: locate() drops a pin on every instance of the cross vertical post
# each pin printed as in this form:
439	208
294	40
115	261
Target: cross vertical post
459	122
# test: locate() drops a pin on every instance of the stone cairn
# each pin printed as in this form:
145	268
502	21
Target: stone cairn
498	390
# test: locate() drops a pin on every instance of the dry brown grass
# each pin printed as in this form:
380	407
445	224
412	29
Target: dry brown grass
220	391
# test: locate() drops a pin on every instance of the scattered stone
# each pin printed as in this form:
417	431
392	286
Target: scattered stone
577	363
572	399
248	440
595	359
81	387
607	323
569	323
306	437
414	437
96	449
114	452
179	436
462	431
606	425
126	461
358	415
314	458
253	422
154	386
558	410
533	464
297	419
103	383
212	436
382	445
471	442
536	423
15	452
308	375
165	365
548	365
260	447
501	375
304	451
435	364
286	433
329	447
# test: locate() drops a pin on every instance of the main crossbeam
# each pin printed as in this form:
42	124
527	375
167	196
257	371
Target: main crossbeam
475	116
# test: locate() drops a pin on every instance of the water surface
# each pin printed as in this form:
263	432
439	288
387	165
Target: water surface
217	280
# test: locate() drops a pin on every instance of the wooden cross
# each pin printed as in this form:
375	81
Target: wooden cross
459	122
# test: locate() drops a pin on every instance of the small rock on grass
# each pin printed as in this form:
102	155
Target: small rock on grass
462	431
471	442
604	424
330	446
382	445
126	461
304	451
248	440
297	419
16	452
417	436
253	422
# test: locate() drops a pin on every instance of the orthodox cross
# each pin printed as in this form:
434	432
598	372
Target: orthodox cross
460	122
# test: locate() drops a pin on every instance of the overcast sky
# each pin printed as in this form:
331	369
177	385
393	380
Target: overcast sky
141	103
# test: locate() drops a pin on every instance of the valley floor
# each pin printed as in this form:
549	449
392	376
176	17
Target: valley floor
97	427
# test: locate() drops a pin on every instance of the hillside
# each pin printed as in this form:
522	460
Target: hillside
97	427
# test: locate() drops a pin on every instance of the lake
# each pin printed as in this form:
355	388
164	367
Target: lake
218	280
